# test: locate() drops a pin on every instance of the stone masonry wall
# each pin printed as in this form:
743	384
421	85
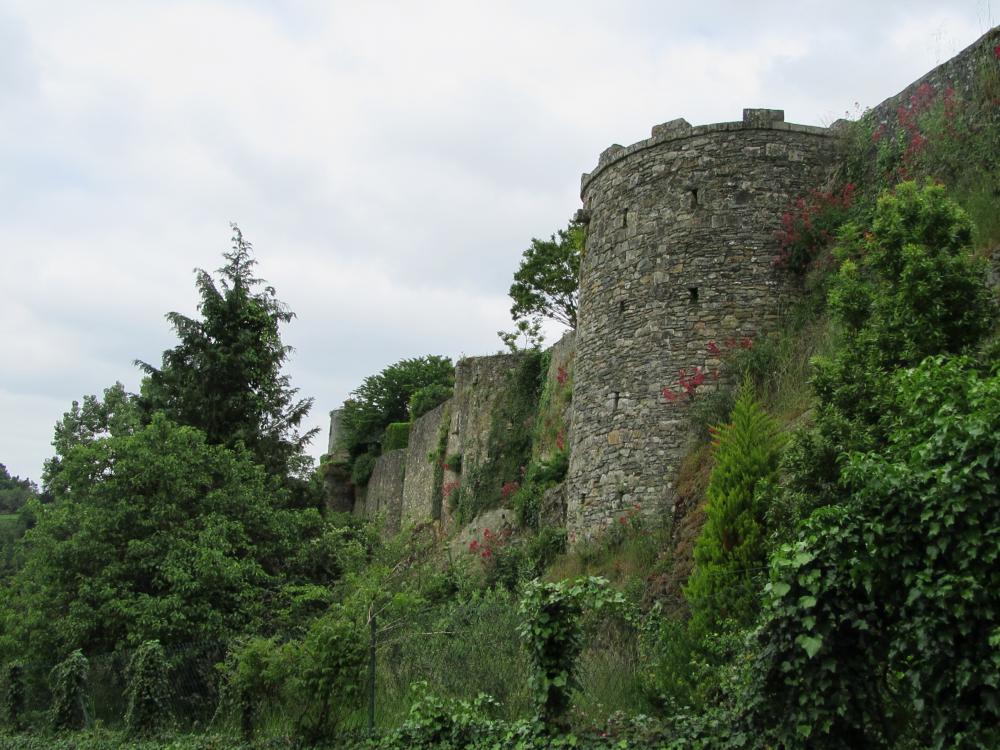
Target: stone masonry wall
679	253
963	73
419	503
479	383
384	493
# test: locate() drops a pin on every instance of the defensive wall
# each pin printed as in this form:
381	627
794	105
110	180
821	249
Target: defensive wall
679	260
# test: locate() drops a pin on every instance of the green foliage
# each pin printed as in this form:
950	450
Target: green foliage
384	398
327	682
397	435
362	468
435	722
427	398
552	631
906	290
224	377
540	476
147	691
12	697
885	612
14	492
527	336
731	547
546	283
155	534
253	677
508	447
68	683
454	463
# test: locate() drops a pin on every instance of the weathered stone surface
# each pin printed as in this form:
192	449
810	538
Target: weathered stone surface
338	488
499	521
961	73
479	384
384	493
679	253
553	510
334	449
419	503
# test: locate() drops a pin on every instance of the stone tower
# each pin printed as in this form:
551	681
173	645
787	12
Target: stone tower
679	253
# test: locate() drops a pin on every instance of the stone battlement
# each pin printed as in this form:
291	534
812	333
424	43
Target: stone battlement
679	129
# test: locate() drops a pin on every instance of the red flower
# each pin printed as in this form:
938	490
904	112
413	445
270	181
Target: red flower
996	52
473	545
622	520
713	348
562	376
669	395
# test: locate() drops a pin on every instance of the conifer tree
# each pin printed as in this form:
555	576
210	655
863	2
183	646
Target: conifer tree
224	377
732	543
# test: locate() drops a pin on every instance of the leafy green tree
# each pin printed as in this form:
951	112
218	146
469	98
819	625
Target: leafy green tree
548	280
14	491
384	398
884	615
224	377
908	289
153	533
732	545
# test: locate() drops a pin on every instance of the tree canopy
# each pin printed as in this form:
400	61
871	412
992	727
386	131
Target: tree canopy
384	398
224	377
154	533
14	491
548	280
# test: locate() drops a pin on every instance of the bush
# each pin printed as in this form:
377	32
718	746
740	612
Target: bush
397	435
147	691
427	398
12	708
884	614
68	683
552	631
326	687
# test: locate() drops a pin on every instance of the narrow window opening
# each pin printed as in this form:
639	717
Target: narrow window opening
693	294
614	401
621	307
625	218
694	197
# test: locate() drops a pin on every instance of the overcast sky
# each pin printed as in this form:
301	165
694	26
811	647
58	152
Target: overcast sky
389	161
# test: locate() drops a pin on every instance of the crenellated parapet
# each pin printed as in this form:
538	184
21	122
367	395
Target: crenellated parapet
679	259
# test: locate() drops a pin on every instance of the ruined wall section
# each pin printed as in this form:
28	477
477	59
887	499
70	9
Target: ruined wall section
480	382
679	252
384	493
972	74
419	501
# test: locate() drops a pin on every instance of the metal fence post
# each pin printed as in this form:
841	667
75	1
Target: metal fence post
371	675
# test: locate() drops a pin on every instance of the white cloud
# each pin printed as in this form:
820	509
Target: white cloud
389	160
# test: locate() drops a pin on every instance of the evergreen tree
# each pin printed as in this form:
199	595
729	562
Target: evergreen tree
224	377
732	543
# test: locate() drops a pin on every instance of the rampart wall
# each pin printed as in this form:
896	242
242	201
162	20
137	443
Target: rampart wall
680	251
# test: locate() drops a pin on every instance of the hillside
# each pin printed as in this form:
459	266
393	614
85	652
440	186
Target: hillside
751	501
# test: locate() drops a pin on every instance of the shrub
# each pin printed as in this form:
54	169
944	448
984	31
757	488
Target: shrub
326	687
397	435
253	675
884	613
68	683
810	225
12	708
427	398
147	691
454	463
552	631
